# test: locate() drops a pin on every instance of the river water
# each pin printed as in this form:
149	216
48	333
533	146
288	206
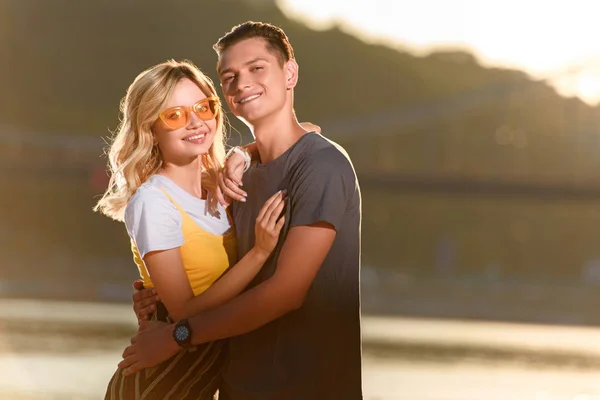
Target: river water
67	351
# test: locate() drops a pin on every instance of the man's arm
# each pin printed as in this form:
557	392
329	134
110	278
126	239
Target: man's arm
301	257
302	254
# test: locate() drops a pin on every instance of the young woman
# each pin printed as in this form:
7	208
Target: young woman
164	160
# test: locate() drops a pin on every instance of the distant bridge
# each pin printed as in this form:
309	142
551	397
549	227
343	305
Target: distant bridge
92	173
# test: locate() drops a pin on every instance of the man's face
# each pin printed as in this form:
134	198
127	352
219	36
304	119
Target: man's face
253	81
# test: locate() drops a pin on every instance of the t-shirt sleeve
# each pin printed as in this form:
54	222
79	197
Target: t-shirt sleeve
153	221
321	188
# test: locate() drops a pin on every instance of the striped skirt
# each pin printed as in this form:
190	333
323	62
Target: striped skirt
192	374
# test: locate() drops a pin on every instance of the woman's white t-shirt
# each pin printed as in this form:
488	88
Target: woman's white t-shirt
154	223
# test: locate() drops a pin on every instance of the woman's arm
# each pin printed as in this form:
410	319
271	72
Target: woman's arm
230	178
172	284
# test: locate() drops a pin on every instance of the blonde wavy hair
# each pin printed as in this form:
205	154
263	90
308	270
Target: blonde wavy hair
133	156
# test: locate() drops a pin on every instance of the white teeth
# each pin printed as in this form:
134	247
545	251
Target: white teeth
195	137
249	98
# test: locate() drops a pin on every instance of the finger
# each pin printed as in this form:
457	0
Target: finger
133	339
237	179
235	173
144	307
232	182
126	363
138	285
238	174
231	185
221	198
233	195
274	216
271	211
279	225
133	369
225	191
143	294
266	206
147	301
230	193
145	313
128	353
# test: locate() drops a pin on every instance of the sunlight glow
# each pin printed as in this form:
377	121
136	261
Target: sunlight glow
541	37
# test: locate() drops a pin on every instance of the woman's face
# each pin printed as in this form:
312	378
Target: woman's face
181	145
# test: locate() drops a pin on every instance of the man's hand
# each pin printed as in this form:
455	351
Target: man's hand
152	345
144	301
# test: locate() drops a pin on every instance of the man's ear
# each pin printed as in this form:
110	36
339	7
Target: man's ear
291	73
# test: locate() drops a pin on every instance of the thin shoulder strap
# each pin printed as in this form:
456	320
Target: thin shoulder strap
172	201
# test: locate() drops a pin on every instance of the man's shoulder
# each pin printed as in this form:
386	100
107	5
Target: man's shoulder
319	151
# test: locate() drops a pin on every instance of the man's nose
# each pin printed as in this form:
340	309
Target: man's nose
243	82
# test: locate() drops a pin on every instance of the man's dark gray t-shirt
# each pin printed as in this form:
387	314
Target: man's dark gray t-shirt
313	352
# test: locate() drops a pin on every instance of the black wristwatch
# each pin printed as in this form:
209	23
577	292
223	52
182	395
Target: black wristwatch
183	334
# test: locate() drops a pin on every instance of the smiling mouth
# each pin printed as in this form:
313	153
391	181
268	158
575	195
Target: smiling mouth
249	98
195	137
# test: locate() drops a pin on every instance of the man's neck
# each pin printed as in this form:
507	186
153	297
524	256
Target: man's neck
275	136
187	177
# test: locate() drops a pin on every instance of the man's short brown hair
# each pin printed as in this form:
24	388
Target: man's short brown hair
275	38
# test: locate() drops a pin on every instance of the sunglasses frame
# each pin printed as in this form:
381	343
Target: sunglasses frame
189	109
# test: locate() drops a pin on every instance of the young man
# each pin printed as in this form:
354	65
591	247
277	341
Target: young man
295	332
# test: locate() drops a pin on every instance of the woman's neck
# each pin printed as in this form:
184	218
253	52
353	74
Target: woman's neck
188	177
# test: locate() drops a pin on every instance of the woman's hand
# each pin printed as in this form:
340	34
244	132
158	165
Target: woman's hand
230	177
230	180
269	223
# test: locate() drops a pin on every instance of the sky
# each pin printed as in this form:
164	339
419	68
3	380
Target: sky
557	40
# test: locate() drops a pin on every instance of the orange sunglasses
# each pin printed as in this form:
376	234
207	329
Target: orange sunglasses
178	117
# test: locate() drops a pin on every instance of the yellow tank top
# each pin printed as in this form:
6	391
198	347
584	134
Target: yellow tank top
205	256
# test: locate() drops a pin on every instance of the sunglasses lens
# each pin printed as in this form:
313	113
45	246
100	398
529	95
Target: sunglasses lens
206	109
175	118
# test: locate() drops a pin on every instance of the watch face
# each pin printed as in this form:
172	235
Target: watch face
182	333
